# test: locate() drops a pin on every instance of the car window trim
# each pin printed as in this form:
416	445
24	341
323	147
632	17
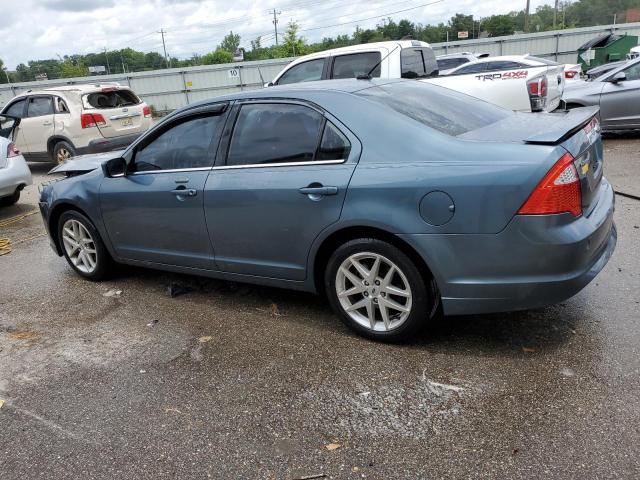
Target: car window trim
213	110
230	126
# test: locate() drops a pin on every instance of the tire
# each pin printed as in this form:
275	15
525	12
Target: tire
10	200
93	261
62	151
404	287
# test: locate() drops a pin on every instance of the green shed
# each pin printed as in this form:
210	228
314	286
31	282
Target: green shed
605	48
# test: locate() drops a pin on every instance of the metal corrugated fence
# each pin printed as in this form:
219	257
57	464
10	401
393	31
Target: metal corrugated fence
173	88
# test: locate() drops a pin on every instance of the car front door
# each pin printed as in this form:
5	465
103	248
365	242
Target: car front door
282	181
155	213
38	126
620	102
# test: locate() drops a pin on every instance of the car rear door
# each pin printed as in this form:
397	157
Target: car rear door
121	110
155	213
282	180
38	125
620	102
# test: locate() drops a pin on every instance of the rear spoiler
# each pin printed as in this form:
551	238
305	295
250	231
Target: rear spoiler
556	131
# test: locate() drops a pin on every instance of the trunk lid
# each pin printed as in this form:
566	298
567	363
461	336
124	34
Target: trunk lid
577	131
121	109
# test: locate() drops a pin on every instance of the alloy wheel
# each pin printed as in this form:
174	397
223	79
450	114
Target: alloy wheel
63	155
373	291
79	246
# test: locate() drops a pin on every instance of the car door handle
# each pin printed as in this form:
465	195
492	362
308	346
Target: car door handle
185	192
46	124
319	190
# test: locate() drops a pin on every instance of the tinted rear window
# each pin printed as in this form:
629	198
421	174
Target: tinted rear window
113	99
439	108
418	63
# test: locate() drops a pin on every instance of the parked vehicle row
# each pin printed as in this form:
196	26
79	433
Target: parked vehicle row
396	199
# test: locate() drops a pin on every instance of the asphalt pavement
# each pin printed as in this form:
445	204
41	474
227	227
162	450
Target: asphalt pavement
122	380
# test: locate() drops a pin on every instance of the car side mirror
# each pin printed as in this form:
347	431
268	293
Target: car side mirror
618	77
116	167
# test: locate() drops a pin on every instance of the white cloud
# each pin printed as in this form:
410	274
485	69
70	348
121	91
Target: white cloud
40	29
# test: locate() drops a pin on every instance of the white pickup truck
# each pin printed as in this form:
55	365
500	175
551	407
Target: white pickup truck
520	83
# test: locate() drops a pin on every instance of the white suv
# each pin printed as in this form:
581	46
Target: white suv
62	122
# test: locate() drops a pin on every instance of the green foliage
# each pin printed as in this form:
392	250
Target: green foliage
292	45
219	55
72	68
230	42
499	25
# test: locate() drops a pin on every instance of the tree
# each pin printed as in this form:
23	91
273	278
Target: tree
219	55
498	25
73	68
256	44
292	44
230	42
460	23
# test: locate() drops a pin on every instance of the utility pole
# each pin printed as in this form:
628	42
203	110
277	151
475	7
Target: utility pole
275	22
164	47
555	15
526	17
106	55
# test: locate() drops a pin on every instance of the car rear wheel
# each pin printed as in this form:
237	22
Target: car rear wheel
10	200
63	151
378	291
82	246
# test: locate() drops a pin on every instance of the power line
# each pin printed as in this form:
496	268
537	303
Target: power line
275	22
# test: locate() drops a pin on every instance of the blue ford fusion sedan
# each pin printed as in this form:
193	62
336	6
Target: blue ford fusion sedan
395	199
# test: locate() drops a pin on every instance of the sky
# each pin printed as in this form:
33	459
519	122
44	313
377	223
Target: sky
42	29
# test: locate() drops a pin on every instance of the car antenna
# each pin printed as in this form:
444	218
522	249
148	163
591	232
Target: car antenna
367	76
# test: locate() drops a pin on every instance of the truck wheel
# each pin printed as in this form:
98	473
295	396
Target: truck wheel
62	151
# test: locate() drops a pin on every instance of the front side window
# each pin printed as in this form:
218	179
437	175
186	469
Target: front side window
184	145
418	63
274	133
475	68
303	72
354	64
39	106
16	109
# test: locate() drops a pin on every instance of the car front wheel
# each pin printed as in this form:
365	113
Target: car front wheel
378	291
82	246
63	151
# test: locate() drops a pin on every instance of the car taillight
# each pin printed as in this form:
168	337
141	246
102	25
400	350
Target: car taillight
558	192
146	111
570	74
537	88
88	120
12	151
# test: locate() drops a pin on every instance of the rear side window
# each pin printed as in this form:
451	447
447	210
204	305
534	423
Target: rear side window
475	68
354	64
184	145
449	63
438	108
334	145
39	106
274	133
16	109
418	63
502	65
303	72
112	99
633	72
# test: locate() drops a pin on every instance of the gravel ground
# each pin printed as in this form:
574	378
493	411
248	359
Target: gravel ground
236	381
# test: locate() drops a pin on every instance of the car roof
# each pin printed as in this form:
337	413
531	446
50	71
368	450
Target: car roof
298	90
362	47
79	88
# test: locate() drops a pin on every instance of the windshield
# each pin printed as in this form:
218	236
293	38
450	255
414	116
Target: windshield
436	107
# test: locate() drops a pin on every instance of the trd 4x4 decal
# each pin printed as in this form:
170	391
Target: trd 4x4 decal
503	76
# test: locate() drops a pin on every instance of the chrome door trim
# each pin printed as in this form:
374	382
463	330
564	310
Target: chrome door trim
282	164
174	170
125	115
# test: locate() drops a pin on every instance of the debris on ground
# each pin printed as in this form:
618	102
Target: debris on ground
528	350
113	293
1	403
5	246
175	289
332	446
205	339
311	477
274	311
152	322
